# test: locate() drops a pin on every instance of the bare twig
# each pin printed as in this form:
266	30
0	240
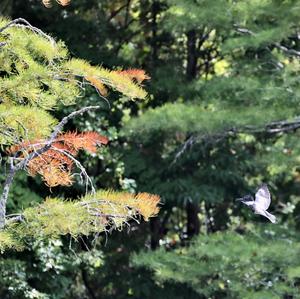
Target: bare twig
117	11
14	219
188	143
88	180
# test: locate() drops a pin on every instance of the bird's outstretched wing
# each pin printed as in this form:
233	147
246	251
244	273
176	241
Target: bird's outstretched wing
263	197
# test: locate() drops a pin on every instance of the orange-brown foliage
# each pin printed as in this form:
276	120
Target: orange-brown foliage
55	164
135	74
147	204
48	3
97	84
64	2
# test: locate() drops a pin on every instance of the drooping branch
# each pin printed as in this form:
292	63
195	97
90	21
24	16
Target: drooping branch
83	173
288	51
20	22
291	52
271	129
99	212
22	164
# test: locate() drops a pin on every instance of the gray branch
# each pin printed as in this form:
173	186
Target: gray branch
243	30
83	175
20	22
288	51
291	52
272	129
21	165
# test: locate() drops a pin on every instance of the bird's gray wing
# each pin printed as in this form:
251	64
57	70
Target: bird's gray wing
263	197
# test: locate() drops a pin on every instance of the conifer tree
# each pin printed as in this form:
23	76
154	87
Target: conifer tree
231	265
224	93
235	96
37	76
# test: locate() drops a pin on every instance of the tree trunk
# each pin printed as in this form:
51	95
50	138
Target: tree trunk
154	11
192	209
191	67
221	217
193	223
155	227
89	288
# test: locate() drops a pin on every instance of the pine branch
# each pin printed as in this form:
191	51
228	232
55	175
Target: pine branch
285	49
20	22
54	135
272	129
83	173
15	219
288	51
243	30
21	165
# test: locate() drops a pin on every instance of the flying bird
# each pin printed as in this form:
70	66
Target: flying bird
261	203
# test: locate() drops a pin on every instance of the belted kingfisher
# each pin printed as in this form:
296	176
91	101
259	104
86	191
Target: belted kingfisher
261	203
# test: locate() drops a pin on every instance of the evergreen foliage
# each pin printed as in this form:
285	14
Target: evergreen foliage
36	72
222	116
37	76
239	71
230	265
92	214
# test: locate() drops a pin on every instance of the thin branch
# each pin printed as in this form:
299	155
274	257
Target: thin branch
272	128
21	165
26	24
54	134
288	51
285	49
188	143
64	121
243	30
83	173
116	12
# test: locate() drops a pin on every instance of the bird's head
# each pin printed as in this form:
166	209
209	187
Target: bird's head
246	198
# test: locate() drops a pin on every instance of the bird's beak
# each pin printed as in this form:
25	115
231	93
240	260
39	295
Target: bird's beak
239	199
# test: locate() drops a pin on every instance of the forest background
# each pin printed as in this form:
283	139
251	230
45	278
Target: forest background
221	118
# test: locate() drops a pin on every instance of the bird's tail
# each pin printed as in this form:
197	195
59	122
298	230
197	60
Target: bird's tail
271	217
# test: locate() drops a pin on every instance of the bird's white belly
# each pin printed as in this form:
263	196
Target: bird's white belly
258	210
